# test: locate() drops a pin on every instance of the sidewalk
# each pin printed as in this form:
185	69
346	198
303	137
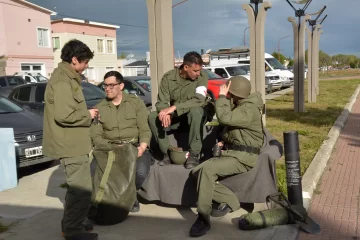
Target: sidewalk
335	204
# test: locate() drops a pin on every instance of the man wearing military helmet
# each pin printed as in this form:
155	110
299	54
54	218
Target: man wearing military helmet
239	111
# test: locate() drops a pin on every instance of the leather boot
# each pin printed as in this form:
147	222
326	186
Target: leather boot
136	207
192	161
200	227
220	211
83	236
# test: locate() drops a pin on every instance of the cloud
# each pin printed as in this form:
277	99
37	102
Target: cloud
213	23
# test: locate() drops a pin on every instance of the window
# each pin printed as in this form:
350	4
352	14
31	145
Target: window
23	94
145	84
37	68
100	46
2	82
56	42
25	68
221	72
15	81
212	75
132	88
8	107
43	37
39	94
235	71
110	46
27	79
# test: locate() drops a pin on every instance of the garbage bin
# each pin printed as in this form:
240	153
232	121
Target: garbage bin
8	174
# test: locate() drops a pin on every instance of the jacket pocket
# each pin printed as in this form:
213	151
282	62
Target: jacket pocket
79	97
130	115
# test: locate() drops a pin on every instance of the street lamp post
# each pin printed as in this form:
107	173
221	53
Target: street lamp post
279	46
245	36
177	4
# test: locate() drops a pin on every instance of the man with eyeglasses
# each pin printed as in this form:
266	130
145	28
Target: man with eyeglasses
123	119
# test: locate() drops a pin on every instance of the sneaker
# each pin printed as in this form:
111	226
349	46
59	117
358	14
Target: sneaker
200	227
192	161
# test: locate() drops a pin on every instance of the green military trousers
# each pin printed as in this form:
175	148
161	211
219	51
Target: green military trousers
192	122
78	195
209	189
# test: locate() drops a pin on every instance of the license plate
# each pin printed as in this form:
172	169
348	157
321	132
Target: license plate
32	152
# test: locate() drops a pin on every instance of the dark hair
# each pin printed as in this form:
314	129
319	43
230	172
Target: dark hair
193	58
78	49
119	78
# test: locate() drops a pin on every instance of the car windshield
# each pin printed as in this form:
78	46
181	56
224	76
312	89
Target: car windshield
40	78
8	107
145	84
275	64
246	68
212	75
91	92
235	71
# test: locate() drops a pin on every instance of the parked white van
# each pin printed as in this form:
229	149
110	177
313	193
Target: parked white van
272	82
242	56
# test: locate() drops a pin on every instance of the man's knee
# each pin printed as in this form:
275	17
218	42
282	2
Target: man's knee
197	112
208	168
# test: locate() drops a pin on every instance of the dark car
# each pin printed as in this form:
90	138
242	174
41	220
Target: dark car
27	133
139	86
32	96
7	83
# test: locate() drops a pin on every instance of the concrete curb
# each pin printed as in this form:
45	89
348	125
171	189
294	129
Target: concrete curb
319	162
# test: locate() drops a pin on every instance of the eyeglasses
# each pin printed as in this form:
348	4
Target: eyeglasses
110	85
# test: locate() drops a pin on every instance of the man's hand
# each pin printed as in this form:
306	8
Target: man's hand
166	122
166	111
141	149
93	112
224	89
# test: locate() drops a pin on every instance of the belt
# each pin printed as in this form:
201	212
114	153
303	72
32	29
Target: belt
242	148
132	141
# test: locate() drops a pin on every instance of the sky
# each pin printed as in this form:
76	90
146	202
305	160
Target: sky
214	24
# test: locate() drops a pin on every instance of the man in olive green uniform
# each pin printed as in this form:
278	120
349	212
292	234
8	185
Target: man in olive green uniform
242	139
67	135
123	118
181	101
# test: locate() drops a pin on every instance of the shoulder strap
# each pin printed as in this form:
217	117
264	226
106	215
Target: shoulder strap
104	179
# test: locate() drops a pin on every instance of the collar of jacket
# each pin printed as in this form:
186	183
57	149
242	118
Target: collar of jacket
125	98
70	72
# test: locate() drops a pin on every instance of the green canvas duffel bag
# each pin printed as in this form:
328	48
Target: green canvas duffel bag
114	191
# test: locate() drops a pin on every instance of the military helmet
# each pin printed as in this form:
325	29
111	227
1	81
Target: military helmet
240	86
178	156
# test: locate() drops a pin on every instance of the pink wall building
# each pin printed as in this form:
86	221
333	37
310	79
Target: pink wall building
25	38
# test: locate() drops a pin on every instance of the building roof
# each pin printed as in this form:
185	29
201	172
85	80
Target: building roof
86	22
137	64
37	7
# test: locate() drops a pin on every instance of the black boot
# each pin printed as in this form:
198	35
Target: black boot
200	227
83	236
165	161
136	207
192	161
220	211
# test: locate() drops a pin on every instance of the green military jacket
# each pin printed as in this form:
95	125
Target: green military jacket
66	131
181	92
243	125
125	123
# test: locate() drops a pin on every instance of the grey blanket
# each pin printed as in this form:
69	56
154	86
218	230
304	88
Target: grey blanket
173	184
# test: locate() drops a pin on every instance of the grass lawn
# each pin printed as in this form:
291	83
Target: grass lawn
313	125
